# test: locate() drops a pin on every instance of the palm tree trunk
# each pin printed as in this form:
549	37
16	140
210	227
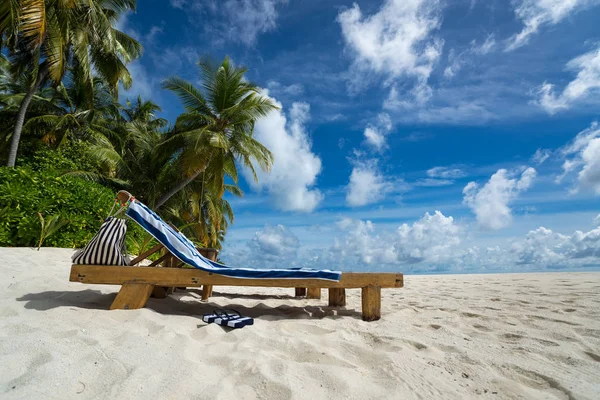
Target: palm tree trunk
180	185
16	136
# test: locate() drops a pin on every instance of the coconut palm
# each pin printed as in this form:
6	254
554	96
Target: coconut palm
79	113
202	211
131	150
144	111
46	36
14	85
216	129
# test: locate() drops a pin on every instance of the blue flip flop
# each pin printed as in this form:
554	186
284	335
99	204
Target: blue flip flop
209	318
230	320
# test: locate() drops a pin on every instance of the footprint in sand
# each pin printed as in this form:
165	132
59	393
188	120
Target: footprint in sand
481	328
548	343
542	318
471	315
593	356
416	345
435	326
511	336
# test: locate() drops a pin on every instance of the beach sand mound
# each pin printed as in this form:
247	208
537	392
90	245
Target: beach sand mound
441	337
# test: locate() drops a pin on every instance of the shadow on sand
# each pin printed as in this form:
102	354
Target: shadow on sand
186	303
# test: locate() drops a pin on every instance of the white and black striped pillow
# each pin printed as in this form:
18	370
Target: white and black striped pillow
107	247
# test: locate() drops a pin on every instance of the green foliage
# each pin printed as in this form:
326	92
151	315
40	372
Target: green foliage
25	191
79	145
50	226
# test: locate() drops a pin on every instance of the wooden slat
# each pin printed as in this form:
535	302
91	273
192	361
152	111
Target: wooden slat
313	293
145	254
132	296
115	275
371	303
160	260
337	297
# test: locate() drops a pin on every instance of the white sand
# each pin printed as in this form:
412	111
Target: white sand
441	337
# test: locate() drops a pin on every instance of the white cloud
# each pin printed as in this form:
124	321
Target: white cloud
375	134
292	90
455	64
536	13
434	242
178	4
249	18
367	184
486	47
540	156
295	170
395	42
583	155
583	86
417	137
446	172
235	20
441	176
490	203
459	112
456	60
430	239
143	85
274	244
429	182
545	247
154	31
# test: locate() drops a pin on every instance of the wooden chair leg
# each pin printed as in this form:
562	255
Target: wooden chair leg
300	292
371	303
313	293
160	292
206	291
132	296
337	297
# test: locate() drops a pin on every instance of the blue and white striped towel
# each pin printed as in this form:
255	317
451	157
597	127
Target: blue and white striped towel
182	248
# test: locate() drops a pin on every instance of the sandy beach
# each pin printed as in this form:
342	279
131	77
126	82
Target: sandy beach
503	336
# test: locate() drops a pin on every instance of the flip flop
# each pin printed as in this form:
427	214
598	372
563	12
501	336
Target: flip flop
234	320
209	318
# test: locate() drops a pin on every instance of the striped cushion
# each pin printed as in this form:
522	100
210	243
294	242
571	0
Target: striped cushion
107	247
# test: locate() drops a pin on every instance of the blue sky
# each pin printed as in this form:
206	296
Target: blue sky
414	135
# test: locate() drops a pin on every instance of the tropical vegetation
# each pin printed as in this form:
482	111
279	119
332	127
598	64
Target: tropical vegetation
68	143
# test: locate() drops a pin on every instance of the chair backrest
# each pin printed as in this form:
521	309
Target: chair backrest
182	248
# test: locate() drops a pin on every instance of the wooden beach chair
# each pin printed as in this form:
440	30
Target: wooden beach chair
159	278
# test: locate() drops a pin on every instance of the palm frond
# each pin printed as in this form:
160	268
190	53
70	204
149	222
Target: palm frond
191	98
33	21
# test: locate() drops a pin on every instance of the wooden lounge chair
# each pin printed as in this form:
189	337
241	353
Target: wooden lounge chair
159	278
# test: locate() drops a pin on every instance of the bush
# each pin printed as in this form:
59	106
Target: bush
24	192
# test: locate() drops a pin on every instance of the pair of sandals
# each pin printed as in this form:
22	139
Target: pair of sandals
230	320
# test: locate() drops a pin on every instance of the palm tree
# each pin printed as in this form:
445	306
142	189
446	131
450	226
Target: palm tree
14	85
216	129
131	150
144	111
79	113
201	212
45	36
